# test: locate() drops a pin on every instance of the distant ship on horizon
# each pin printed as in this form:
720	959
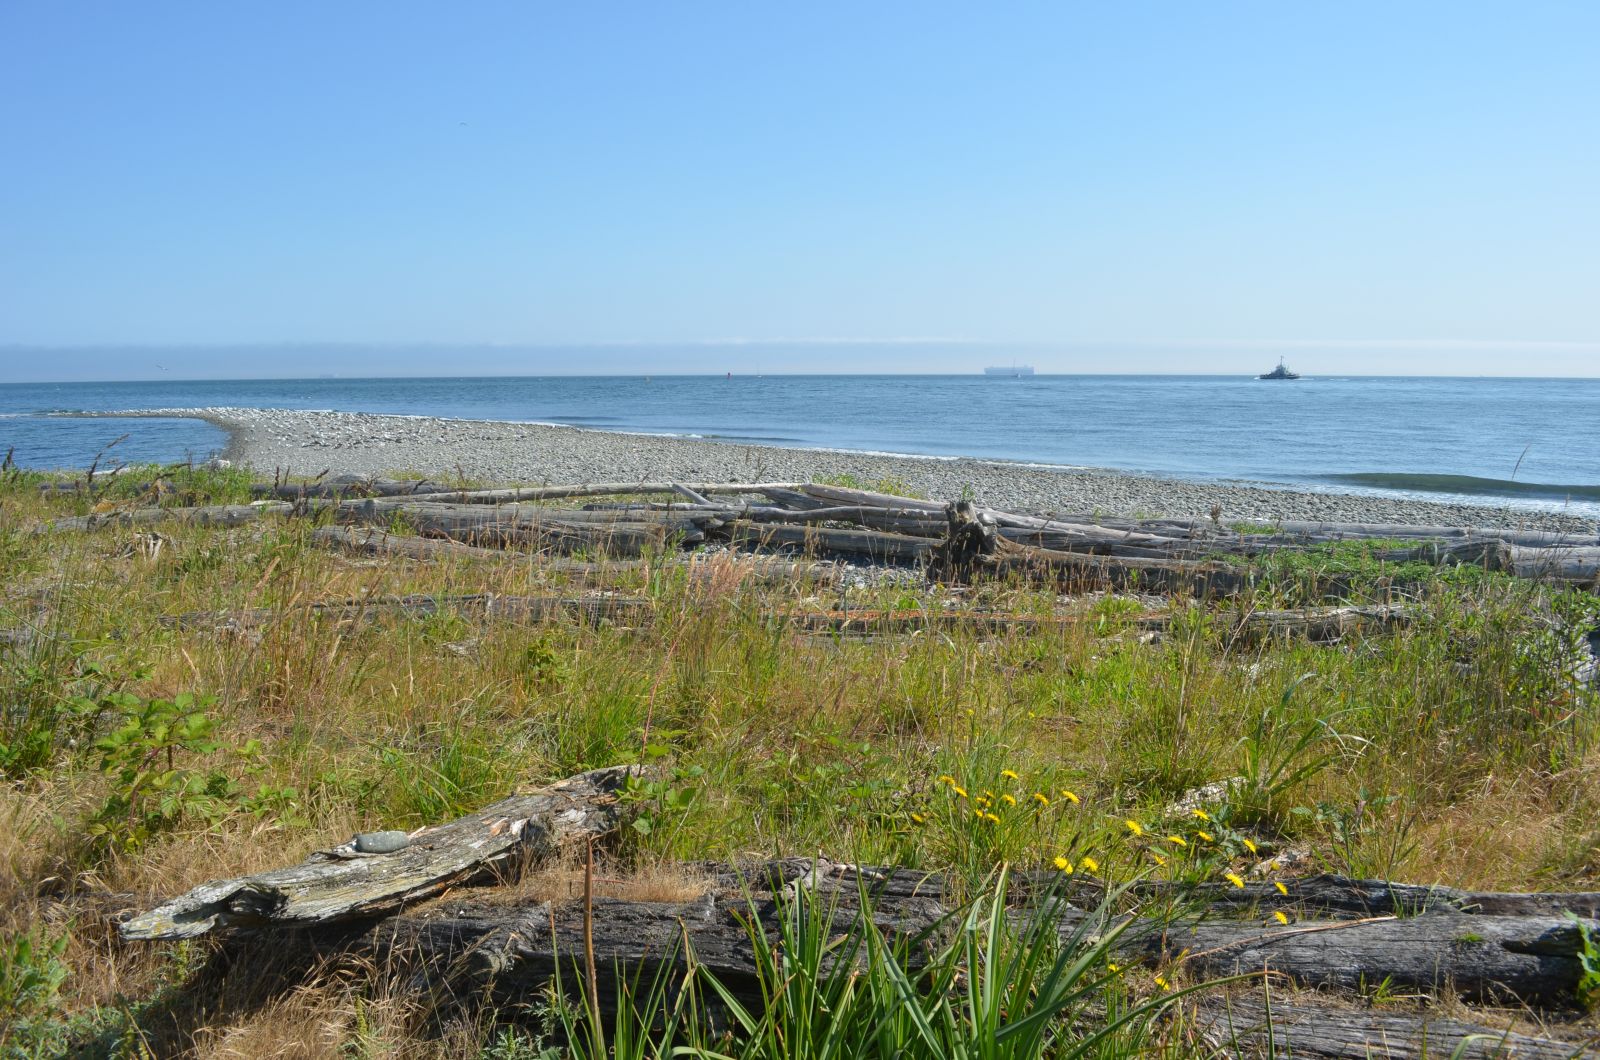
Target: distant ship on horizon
1280	372
1016	371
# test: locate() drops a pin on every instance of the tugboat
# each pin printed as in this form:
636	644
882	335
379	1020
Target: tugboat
1280	372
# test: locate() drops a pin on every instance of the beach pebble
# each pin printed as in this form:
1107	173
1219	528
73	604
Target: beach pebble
381	842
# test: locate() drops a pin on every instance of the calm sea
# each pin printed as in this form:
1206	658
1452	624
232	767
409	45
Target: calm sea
1534	440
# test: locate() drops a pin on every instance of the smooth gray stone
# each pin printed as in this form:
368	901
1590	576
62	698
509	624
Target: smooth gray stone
382	842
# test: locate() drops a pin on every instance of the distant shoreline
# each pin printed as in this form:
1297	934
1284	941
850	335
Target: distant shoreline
309	442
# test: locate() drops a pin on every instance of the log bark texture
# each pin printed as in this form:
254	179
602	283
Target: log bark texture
1253	1027
1526	958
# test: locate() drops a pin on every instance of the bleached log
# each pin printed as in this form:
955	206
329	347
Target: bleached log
210	515
869	545
342	883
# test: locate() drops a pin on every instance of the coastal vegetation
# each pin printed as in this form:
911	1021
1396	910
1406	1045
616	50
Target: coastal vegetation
1064	737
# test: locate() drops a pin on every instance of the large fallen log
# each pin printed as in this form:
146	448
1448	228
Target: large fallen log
1530	959
725	568
350	486
589	609
502	528
1580	566
870	545
209	515
1254	1026
608	489
346	882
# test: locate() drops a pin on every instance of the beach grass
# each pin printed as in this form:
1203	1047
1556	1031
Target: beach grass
141	758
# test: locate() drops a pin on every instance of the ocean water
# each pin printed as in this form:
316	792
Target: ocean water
1535	441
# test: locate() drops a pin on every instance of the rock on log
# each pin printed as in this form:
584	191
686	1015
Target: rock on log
343	883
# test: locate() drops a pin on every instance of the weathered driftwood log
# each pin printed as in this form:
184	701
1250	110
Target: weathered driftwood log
727	568
1578	565
352	486
607	489
210	515
969	541
837	495
343	883
374	541
1075	572
501	528
591	609
1533	959
1252	1026
1320	624
870	545
1528	958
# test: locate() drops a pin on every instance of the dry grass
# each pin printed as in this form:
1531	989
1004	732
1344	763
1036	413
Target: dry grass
1482	768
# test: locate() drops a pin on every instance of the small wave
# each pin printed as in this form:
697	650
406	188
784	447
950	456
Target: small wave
1468	484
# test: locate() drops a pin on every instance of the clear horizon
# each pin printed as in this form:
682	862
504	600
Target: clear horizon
313	361
1407	190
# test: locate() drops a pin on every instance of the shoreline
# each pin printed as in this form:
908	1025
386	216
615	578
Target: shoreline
307	442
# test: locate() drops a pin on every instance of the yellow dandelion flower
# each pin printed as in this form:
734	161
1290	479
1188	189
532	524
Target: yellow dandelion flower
1088	864
1069	796
988	794
978	813
1134	827
1206	836
1064	864
1248	845
1113	968
1281	888
1009	774
917	817
959	790
1162	983
1009	800
1234	878
1280	918
1203	815
1041	798
1177	840
946	779
1159	859
991	818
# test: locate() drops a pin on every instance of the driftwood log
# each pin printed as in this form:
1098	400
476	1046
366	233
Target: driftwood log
1528	958
725	569
345	883
1254	1025
589	609
1073	553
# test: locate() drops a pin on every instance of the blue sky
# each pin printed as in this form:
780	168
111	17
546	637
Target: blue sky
1160	187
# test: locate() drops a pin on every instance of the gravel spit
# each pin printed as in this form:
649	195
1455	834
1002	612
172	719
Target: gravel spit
307	443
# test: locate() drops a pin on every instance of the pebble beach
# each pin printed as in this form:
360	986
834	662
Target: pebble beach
309	443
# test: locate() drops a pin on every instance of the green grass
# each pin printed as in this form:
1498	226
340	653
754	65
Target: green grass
1456	750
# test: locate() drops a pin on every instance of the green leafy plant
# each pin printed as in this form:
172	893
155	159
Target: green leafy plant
661	801
1280	752
984	986
1587	988
32	971
149	757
